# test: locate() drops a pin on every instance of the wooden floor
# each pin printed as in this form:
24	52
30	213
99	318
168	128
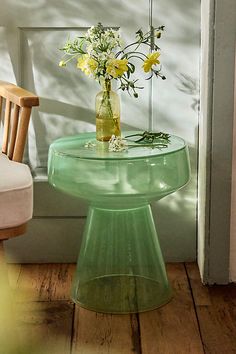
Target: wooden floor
198	320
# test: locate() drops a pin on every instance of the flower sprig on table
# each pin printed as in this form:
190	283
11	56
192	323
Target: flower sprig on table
101	54
148	139
117	144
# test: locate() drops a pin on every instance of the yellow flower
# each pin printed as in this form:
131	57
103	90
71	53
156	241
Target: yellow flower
87	64
62	63
117	67
150	61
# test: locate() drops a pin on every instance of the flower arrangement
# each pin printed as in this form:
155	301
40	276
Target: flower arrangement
102	55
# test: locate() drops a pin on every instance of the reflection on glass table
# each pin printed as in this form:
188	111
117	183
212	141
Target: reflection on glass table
120	267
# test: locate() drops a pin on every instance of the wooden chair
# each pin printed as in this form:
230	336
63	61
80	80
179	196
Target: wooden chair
18	104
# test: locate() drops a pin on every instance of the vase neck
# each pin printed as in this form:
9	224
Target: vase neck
106	85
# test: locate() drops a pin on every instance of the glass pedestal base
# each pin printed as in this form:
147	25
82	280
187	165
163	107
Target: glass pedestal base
120	268
122	294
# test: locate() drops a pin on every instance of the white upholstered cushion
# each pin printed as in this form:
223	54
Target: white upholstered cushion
16	193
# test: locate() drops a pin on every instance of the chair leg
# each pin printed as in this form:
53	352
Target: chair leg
3	265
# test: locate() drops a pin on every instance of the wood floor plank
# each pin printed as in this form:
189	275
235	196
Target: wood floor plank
216	311
45	282
46	317
44	327
96	333
173	328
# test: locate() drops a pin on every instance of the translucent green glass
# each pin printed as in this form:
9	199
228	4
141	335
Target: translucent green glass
120	267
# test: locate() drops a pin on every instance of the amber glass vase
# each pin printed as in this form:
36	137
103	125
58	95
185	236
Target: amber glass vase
107	113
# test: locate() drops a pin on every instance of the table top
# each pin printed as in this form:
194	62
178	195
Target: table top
135	176
85	146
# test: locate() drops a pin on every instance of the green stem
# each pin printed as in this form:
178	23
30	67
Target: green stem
106	99
126	55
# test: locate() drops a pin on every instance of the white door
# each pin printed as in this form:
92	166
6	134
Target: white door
31	34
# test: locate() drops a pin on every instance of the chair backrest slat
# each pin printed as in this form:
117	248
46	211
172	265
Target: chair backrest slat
1	103
15	120
21	134
6	123
15	126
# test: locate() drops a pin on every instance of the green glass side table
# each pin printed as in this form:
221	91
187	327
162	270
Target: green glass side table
120	268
